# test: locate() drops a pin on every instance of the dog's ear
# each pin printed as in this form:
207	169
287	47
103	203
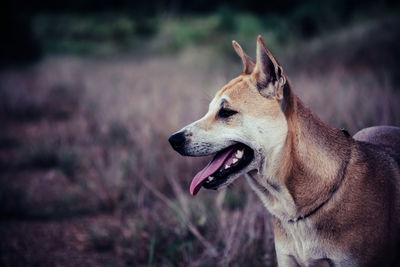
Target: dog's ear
248	63
269	74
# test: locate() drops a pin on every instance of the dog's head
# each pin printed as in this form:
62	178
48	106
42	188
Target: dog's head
245	123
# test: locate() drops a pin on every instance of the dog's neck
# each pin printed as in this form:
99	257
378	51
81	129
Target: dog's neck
316	157
312	165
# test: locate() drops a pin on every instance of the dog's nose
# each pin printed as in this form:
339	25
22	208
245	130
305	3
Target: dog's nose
177	140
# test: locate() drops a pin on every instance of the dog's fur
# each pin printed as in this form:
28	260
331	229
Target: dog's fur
335	199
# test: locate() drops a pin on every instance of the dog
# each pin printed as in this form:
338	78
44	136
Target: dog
335	199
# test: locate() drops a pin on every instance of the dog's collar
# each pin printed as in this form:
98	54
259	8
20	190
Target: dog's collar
343	173
295	220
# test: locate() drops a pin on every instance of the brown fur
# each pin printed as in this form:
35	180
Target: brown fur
359	193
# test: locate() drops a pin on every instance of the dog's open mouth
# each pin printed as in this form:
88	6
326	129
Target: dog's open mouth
225	163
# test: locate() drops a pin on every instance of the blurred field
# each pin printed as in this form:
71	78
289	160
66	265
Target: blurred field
86	173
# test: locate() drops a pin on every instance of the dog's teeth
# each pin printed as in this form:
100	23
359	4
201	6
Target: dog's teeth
210	178
239	154
235	160
226	167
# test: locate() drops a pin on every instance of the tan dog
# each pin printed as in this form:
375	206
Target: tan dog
335	199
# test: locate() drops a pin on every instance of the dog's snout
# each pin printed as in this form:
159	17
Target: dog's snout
177	140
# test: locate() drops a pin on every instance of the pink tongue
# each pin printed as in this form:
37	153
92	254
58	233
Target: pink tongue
214	165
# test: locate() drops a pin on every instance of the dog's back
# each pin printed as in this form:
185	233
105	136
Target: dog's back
388	136
385	137
388	139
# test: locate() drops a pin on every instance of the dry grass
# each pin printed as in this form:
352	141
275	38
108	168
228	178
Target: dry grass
123	112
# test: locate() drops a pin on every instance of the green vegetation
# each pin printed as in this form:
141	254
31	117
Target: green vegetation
89	34
110	33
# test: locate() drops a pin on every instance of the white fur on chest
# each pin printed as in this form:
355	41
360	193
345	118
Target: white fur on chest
305	245
303	242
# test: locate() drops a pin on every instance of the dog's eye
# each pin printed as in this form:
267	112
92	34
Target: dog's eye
226	113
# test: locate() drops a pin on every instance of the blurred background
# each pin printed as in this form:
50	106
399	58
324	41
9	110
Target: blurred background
91	90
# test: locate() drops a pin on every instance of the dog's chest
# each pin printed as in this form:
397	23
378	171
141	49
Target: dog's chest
304	243
308	248
304	240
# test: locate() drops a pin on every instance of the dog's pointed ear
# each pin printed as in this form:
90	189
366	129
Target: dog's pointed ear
269	74
248	63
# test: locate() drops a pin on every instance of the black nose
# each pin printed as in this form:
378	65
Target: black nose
177	140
